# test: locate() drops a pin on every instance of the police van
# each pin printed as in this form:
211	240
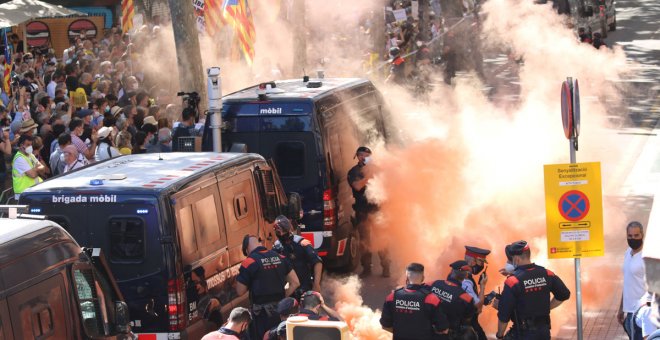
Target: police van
51	288
593	15
311	129
172	227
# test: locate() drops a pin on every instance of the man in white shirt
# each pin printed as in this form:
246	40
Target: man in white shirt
633	278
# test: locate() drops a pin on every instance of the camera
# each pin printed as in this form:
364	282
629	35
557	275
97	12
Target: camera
15	81
191	99
490	296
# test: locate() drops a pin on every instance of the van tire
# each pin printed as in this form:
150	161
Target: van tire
353	253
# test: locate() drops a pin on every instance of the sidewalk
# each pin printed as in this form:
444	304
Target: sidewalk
600	324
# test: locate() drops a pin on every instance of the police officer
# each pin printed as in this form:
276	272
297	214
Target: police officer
264	273
457	305
300	252
526	297
285	308
476	259
397	67
362	208
413	311
311	306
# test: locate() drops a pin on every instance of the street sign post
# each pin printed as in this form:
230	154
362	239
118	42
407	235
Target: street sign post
574	199
574	210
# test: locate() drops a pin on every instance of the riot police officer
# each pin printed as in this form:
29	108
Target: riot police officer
476	259
264	273
526	297
457	305
358	181
413	311
397	67
300	252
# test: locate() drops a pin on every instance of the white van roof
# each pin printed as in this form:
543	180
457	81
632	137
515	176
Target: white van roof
143	171
13	228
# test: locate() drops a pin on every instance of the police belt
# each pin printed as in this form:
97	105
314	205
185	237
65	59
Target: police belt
532	323
269	308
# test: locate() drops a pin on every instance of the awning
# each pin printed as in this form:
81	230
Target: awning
15	12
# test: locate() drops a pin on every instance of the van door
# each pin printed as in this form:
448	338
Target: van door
204	254
41	311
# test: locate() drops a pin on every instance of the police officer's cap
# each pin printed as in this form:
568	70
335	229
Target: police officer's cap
476	252
507	252
287	306
460	265
415	268
282	223
519	247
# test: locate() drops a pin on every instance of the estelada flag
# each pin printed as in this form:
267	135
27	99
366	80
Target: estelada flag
127	13
237	13
6	79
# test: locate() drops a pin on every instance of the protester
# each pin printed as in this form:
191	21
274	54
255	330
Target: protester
235	328
26	169
633	277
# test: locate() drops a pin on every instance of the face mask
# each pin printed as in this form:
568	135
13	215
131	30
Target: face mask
509	268
476	269
107	109
29	150
634	243
53	106
34	131
135	86
367	160
96	114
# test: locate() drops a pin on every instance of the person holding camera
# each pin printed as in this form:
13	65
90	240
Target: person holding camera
476	259
457	304
526	297
185	129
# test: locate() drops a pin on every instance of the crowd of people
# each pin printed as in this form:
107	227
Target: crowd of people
91	103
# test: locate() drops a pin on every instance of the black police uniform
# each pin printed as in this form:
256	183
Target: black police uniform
313	316
362	208
397	69
526	301
413	312
477	253
456	304
264	272
302	256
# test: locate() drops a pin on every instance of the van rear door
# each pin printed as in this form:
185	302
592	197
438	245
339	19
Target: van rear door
286	132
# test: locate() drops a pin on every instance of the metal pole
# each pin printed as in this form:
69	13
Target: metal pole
578	284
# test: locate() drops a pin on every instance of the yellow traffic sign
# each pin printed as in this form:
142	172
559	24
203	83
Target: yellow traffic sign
574	210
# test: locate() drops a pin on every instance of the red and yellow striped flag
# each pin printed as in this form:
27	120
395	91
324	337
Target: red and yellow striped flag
237	13
6	79
213	19
127	12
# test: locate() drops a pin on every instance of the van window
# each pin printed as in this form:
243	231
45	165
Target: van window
92	304
126	239
206	222
187	231
290	158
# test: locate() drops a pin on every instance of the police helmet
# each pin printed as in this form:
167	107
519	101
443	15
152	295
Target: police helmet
394	52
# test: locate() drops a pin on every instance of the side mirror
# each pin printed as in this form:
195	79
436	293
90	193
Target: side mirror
294	208
122	318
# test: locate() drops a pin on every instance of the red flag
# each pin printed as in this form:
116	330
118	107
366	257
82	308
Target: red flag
6	79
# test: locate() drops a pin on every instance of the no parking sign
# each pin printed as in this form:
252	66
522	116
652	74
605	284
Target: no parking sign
574	210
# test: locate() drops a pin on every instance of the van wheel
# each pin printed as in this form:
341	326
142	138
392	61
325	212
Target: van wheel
353	253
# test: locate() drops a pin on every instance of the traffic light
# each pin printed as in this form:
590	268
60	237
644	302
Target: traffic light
300	328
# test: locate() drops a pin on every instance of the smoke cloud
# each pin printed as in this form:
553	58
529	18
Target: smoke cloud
469	169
